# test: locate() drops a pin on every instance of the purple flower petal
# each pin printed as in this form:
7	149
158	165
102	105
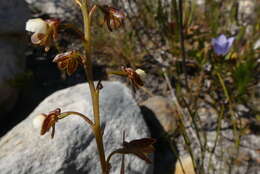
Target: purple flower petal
221	40
230	41
220	49
213	41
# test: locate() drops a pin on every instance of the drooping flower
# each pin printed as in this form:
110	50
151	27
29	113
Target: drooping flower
68	61
46	122
45	32
114	18
136	77
222	44
140	148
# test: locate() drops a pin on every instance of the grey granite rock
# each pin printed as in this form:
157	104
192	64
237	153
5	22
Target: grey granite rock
73	149
68	10
13	15
62	9
163	111
12	64
226	157
247	11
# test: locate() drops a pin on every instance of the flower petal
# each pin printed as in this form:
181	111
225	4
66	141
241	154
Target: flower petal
142	156
221	40
36	25
37	38
62	56
72	66
221	49
48	122
53	131
63	65
230	41
137	80
141	143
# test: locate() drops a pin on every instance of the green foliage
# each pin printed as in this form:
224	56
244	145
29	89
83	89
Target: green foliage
243	75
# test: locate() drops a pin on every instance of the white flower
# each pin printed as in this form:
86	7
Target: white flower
38	121
141	73
37	26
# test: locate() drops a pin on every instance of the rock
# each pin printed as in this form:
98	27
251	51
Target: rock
68	10
164	156
13	15
12	63
73	149
63	9
226	158
164	112
185	166
247	11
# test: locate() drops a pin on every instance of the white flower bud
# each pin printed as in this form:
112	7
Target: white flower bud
38	121
37	26
141	73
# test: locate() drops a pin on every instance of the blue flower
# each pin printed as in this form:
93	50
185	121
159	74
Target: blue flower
222	44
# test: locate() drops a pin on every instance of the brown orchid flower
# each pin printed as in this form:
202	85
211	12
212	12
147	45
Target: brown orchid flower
45	32
114	18
134	76
68	61
141	148
47	121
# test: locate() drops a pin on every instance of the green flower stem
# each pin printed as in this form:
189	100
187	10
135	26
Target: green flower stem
179	16
219	121
66	114
94	93
120	73
236	133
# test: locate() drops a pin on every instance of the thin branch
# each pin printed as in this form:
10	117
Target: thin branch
182	38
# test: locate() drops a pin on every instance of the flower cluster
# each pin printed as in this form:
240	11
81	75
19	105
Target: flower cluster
45	34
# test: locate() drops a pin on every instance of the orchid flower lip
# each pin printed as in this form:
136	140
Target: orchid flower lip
38	121
141	73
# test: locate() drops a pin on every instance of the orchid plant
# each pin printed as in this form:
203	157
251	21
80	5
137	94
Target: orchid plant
45	34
